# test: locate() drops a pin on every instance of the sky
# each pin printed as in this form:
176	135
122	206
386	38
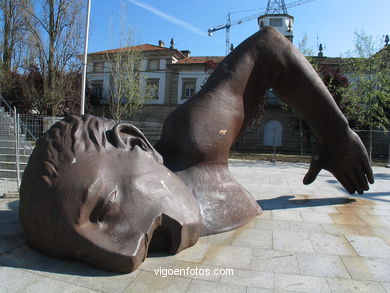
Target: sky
330	22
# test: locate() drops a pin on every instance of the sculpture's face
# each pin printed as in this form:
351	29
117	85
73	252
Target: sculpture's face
115	199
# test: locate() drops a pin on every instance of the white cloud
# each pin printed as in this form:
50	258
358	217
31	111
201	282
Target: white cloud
168	17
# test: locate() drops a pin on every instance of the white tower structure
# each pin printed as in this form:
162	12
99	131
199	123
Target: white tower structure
276	15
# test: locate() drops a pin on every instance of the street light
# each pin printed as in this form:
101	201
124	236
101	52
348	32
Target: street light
84	78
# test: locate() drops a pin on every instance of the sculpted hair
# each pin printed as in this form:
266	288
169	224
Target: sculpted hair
39	212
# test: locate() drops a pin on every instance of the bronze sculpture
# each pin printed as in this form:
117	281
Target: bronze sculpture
99	192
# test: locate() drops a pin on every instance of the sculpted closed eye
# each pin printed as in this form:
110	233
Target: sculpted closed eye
103	207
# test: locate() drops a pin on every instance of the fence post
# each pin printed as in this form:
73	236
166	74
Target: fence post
301	135
273	160
388	158
16	132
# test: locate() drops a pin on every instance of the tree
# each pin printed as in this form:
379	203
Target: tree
56	28
336	82
127	92
13	28
367	100
303	46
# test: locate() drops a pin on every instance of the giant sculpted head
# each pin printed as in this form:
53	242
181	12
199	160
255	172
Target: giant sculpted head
97	191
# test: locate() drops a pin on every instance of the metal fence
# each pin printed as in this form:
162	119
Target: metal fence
303	143
19	132
16	144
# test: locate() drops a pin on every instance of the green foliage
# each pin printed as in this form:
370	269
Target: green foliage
125	92
367	100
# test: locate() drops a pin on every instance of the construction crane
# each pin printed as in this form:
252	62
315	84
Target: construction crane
271	9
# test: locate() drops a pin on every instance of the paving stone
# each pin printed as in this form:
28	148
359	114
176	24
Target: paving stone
375	220
272	224
300	283
347	219
331	244
260	290
150	282
29	259
198	286
337	229
378	231
386	286
50	285
109	282
370	246
229	256
225	238
286	215
250	278
257	238
87	276
325	209
352	210
314	217
377	211
306	227
298	218
292	241
17	280
264	215
321	265
193	270
154	261
274	261
367	268
195	253
354	286
14	280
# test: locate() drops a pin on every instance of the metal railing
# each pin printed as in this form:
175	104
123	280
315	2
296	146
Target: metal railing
16	144
303	143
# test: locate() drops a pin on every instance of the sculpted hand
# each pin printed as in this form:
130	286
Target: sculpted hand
347	160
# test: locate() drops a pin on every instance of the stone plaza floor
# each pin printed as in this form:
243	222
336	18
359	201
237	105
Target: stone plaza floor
314	238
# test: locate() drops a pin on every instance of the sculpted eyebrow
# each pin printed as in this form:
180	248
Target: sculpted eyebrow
90	190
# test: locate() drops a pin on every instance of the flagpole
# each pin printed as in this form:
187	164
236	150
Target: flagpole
84	77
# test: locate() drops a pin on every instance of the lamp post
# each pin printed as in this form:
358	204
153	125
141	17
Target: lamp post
84	78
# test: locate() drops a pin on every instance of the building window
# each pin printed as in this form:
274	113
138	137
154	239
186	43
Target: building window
273	131
151	92
188	88
97	90
276	22
271	98
98	66
153	64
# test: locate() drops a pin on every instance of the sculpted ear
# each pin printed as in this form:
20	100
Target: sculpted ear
127	136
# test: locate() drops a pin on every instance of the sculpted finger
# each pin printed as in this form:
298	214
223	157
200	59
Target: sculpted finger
311	175
362	180
354	182
367	168
344	182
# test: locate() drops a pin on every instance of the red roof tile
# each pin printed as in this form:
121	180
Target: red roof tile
200	60
144	47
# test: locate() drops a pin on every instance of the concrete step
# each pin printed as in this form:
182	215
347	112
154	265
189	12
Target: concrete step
10	194
7	143
8	187
11	150
12	166
9	174
12	158
6	136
